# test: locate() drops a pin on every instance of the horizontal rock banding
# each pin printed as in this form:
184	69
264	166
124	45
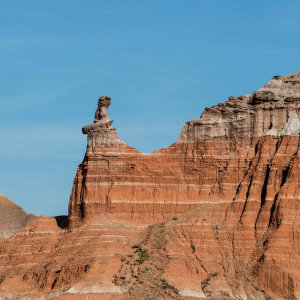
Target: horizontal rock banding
226	194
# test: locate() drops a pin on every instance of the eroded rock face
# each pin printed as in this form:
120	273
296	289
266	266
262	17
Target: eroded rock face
269	111
223	202
205	164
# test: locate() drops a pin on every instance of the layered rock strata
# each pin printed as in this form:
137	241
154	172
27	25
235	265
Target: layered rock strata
223	202
207	162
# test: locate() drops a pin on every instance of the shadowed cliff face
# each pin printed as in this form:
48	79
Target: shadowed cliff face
223	202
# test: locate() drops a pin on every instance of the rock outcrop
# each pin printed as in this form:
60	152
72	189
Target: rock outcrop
213	216
12	218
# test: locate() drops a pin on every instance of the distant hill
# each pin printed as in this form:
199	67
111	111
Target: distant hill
213	216
12	217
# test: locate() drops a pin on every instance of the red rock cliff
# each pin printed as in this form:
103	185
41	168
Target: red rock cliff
207	162
226	195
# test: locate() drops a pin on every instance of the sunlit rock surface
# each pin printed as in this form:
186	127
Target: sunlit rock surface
213	216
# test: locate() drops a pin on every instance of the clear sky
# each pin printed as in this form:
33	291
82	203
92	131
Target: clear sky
162	62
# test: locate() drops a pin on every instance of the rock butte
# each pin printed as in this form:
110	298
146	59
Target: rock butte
213	216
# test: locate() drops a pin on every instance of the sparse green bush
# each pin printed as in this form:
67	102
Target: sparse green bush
143	256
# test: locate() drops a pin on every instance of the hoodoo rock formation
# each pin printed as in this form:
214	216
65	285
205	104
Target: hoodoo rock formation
213	216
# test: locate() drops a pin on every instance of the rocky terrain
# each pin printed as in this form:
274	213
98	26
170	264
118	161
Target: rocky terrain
12	218
213	216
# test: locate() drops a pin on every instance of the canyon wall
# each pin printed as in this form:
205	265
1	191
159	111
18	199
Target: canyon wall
213	216
207	162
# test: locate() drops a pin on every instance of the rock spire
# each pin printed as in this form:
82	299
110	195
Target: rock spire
102	120
100	133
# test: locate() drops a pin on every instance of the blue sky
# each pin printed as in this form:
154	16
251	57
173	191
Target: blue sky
162	62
